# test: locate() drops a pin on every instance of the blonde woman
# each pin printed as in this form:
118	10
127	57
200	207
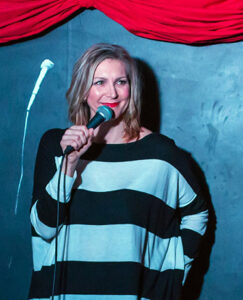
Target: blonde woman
131	215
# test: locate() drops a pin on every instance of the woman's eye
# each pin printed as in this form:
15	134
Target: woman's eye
99	82
122	82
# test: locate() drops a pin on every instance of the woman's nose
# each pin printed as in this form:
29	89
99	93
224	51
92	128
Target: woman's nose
112	91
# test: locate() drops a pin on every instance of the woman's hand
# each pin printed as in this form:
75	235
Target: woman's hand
80	138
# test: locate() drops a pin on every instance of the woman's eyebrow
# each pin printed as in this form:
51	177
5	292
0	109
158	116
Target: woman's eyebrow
119	77
122	77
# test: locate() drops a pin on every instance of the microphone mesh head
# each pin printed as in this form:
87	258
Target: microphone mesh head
105	111
47	64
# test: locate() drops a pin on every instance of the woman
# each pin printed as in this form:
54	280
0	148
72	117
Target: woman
131	215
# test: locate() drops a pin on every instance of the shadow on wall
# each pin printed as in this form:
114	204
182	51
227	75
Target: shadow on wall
150	113
151	118
194	282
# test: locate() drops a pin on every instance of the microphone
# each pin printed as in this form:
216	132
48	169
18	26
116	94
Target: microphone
45	66
104	113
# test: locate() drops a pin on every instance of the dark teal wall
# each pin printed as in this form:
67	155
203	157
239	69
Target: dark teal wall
200	94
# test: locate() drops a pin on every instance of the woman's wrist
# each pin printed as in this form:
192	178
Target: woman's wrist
68	168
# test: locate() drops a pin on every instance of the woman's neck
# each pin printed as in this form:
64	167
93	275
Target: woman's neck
110	132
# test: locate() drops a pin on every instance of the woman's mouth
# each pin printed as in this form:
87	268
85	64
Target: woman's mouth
111	104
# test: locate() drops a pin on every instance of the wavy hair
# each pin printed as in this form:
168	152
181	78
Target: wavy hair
82	80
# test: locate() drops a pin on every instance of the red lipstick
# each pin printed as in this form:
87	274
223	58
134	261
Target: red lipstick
111	104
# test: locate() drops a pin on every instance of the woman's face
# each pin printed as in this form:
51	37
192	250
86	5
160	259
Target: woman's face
110	87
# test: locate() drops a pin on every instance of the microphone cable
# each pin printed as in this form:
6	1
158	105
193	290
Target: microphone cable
104	113
57	219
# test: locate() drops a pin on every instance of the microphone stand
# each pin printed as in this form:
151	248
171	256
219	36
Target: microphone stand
45	66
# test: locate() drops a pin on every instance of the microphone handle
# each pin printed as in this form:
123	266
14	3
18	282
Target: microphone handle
68	150
93	123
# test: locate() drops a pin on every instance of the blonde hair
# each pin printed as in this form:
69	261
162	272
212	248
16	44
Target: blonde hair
82	80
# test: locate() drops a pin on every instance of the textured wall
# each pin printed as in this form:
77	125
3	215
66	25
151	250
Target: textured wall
196	95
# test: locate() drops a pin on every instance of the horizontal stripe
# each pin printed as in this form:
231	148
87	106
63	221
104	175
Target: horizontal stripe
188	264
113	243
197	205
93	297
191	242
41	250
152	176
188	260
52	186
153	146
47	210
41	229
196	222
82	278
123	207
118	207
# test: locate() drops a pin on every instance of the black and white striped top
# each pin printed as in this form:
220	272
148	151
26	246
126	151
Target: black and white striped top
130	227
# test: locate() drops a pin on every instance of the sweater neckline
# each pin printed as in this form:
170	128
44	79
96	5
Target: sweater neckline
140	141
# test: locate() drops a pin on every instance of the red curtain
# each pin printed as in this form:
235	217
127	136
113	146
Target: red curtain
181	21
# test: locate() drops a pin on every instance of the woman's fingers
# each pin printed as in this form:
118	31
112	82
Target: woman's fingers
75	141
80	138
77	130
77	137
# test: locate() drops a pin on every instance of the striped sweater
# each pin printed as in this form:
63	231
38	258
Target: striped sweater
131	220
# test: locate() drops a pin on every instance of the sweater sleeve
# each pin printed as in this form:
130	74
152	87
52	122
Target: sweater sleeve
44	201
193	212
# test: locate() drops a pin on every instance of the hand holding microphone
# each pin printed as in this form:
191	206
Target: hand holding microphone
77	139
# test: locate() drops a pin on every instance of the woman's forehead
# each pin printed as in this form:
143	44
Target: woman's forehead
111	66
